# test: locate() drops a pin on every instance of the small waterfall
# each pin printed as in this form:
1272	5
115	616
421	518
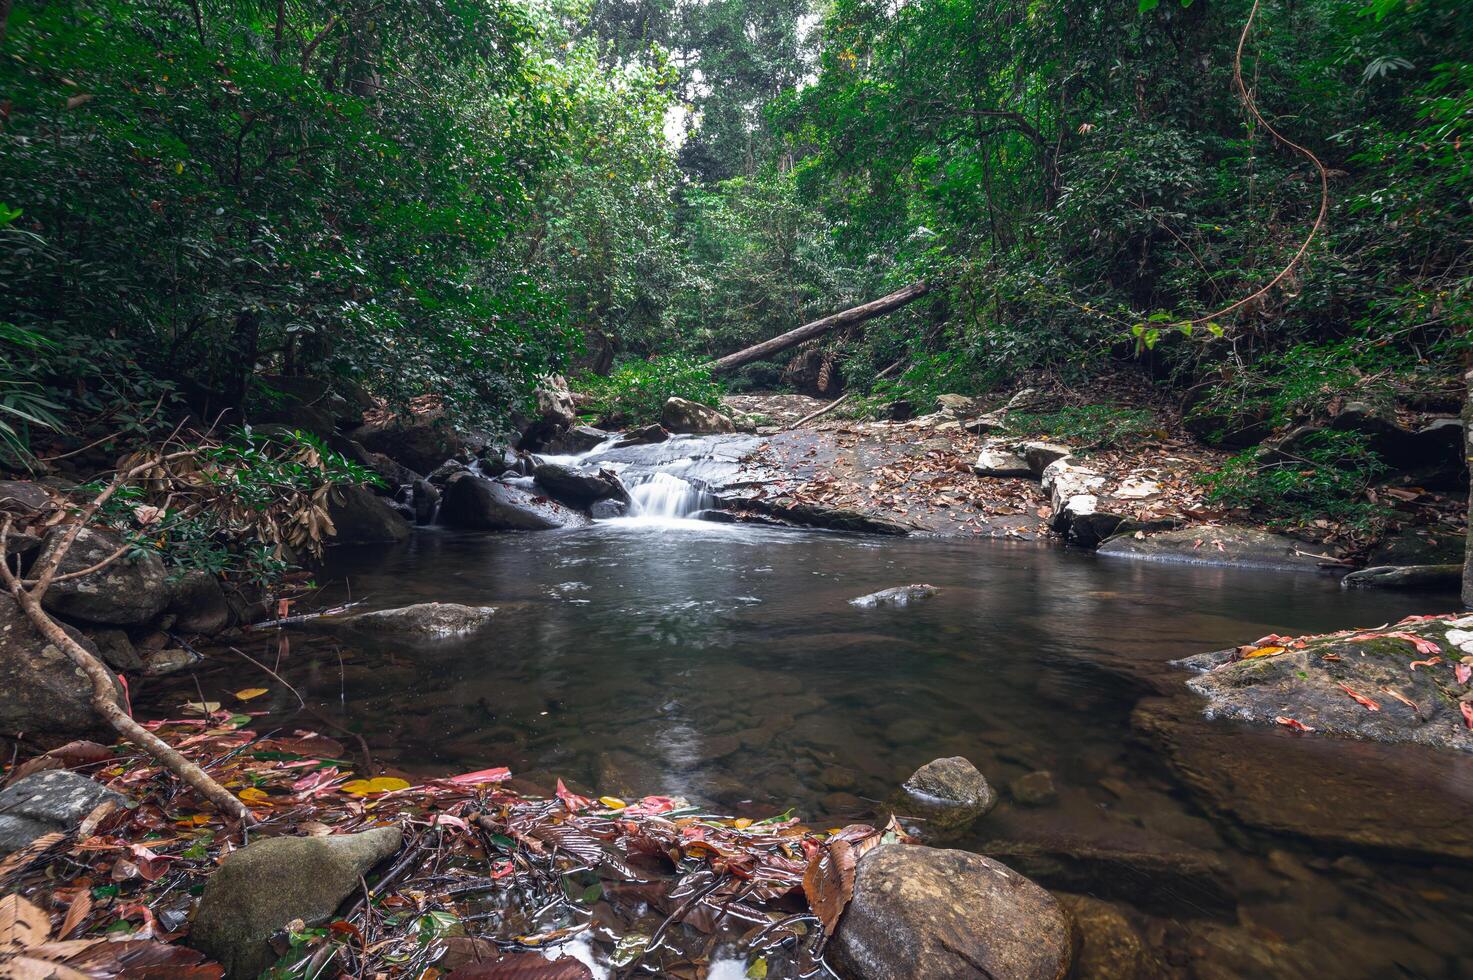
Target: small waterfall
663	495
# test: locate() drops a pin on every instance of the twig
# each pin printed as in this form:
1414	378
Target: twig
272	673
836	402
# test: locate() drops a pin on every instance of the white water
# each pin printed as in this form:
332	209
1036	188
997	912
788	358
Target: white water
663	495
649	473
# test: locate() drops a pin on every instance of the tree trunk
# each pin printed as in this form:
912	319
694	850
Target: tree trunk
1468	453
808	331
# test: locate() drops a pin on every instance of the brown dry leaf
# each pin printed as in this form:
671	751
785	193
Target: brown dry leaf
22	925
76	914
829	882
523	966
27	855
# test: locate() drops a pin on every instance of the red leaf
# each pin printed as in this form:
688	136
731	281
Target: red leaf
829	882
1361	699
1295	724
495	775
1467	713
523	966
572	800
1463	672
1429	662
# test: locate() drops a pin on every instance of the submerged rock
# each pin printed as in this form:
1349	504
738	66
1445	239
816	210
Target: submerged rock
490	505
1034	789
130	591
942	799
1321	684
1245	547
942	914
687	417
1111	947
901	595
268	883
1418	577
432	619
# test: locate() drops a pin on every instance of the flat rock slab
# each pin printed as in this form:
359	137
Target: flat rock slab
944	914
45	802
428	619
1220	545
268	883
1416	578
1399	799
1317	681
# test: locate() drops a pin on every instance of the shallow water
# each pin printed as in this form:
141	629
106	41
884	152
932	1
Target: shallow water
726	663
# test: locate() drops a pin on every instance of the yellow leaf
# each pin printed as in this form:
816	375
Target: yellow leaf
202	707
250	692
253	794
1264	652
612	802
379	784
742	823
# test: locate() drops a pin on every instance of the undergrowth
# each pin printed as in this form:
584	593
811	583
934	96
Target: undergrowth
1088	426
1326	479
635	392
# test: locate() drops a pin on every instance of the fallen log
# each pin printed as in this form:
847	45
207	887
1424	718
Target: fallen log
808	331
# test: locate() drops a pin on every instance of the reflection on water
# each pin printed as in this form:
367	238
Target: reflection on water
726	664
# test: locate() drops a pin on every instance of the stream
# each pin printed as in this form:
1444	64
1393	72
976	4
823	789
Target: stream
725	663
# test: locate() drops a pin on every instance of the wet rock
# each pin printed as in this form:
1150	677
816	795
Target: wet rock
490	505
604	510
46	802
1430	578
23	495
578	439
161	662
362	517
1110	859
117	650
1111	947
1397	799
942	799
941	914
1244	547
1040	455
420	445
128	592
687	417
556	413
197	603
643	436
997	460
429	619
442	476
268	883
822	516
901	595
1034	789
578	488
1309	685
1419	546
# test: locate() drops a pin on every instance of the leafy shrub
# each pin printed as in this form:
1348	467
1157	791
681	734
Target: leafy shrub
636	391
1328	478
1090	426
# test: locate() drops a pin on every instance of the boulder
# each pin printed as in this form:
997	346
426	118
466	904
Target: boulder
429	619
1421	578
1220	545
948	915
900	595
988	424
268	883
643	436
1034	789
130	591
1041	454
685	416
442	475
556	412
997	459
44	802
424	501
198	603
578	488
942	799
604	510
958	405
420	444
578	439
169	660
363	517
1071	491
821	515
490	505
24	496
117	650
1309	684
1111	947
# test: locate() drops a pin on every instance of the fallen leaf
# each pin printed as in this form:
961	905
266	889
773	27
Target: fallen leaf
1400	697
1429	662
494	775
1467	710
202	707
1293	723
250	692
828	881
1269	651
1463	672
379	784
1361	699
22	925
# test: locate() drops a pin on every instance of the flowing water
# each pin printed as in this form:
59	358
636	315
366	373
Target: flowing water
725	663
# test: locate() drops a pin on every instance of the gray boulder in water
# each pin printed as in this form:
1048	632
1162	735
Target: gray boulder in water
943	914
902	595
1412	577
685	416
45	802
942	799
490	505
431	619
578	488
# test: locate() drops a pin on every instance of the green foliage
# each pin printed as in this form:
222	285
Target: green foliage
1088	426
636	391
1326	479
